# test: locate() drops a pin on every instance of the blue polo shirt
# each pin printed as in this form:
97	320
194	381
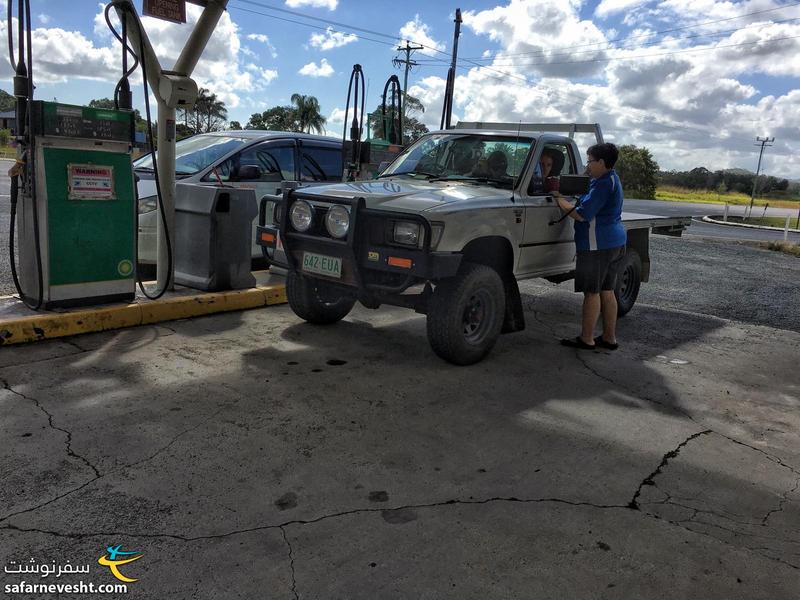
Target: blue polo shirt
601	210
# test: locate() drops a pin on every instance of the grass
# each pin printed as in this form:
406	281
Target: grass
768	221
8	152
785	247
677	194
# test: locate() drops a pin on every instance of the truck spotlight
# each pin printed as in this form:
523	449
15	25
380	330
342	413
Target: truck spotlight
337	221
301	215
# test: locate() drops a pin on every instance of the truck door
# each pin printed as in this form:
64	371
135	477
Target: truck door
547	249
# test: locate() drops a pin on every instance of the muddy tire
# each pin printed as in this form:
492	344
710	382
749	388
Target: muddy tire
629	281
465	314
315	301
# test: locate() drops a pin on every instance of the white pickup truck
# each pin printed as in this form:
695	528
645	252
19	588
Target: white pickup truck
441	233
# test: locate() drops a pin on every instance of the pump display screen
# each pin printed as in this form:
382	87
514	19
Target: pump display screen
64	120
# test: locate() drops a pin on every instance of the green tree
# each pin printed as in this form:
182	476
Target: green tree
235	126
307	113
141	124
638	171
7	101
277	118
413	128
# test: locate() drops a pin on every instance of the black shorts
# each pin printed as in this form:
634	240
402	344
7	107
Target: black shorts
597	270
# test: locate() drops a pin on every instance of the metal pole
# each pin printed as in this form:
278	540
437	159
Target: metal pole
764	142
166	114
408	63
448	96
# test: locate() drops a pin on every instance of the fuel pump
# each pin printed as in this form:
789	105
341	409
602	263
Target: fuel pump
73	196
356	85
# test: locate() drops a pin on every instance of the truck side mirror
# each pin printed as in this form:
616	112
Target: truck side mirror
574	185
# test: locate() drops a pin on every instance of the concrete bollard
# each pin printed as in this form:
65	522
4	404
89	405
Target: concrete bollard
725	215
786	229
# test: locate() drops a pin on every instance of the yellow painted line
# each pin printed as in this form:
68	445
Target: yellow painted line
49	325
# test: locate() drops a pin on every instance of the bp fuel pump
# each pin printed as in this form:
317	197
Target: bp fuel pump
72	194
83	211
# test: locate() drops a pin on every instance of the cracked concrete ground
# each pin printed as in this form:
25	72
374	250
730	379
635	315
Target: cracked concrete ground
249	455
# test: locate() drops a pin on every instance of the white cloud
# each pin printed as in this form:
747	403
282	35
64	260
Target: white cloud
312	70
331	39
44	19
264	39
610	7
60	55
329	4
418	32
334	123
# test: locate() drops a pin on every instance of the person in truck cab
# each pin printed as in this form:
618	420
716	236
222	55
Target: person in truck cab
493	167
550	164
600	242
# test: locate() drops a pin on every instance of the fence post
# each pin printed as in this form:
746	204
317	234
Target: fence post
786	229
725	216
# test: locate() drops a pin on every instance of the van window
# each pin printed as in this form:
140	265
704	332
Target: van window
320	163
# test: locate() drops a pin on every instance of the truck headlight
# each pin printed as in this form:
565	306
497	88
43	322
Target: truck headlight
301	215
406	233
337	221
147	205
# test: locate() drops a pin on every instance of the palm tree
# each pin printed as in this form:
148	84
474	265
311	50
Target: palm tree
307	113
208	114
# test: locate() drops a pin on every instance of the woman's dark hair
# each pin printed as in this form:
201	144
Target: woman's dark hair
607	152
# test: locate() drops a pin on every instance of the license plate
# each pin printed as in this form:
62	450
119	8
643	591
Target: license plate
320	264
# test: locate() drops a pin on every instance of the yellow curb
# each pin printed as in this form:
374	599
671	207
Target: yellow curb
54	325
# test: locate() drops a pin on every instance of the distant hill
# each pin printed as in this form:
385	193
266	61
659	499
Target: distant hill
7	101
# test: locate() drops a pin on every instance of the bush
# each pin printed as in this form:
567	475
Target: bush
5	137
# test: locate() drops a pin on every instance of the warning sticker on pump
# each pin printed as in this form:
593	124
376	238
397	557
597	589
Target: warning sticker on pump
91	182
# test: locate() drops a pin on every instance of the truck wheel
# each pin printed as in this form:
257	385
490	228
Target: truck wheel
628	281
465	314
315	301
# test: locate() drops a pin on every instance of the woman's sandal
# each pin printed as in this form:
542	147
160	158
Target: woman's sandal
577	342
601	343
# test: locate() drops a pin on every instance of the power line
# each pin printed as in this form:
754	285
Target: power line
336	23
361	37
544	53
634	57
673	29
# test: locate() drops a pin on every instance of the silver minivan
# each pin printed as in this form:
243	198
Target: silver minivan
254	159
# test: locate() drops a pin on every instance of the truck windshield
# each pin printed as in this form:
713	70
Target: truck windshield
196	153
492	158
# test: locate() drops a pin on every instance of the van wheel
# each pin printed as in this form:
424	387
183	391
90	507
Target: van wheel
629	281
315	301
465	314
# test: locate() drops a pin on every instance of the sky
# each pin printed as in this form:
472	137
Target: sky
694	81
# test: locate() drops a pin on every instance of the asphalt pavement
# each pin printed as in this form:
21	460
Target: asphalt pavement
251	455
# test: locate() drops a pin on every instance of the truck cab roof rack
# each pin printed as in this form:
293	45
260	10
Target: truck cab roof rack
568	128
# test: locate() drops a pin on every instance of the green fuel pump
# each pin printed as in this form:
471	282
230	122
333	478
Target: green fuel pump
85	204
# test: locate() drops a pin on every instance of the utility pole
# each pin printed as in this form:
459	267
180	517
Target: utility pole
765	141
447	108
408	49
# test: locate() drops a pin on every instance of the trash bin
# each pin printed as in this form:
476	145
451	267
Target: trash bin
213	237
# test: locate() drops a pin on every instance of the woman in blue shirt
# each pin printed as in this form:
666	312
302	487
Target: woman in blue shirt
600	243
